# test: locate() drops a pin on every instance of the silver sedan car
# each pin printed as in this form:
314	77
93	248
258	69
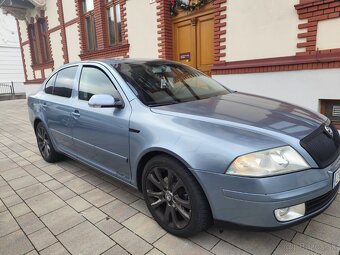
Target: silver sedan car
198	151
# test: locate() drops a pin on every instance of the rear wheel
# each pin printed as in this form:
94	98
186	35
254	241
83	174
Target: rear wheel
45	145
174	198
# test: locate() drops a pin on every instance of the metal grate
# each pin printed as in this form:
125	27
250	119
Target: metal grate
323	147
7	88
336	111
319	202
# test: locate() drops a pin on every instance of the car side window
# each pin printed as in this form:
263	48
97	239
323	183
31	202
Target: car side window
64	82
50	84
94	81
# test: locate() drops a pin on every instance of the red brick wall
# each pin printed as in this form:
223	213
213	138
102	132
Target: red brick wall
311	58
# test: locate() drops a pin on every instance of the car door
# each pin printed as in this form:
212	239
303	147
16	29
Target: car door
57	107
101	135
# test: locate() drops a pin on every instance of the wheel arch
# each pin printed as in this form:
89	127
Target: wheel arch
150	154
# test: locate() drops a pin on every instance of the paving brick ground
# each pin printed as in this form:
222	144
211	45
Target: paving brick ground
68	208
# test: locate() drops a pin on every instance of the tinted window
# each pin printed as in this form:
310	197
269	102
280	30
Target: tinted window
161	82
94	81
49	85
64	82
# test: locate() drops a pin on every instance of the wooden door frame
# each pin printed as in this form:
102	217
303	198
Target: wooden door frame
182	16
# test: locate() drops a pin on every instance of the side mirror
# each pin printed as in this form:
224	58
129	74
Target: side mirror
105	101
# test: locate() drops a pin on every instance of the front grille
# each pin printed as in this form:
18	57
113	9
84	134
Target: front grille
319	202
323	148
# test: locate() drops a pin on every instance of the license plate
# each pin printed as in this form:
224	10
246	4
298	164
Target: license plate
336	178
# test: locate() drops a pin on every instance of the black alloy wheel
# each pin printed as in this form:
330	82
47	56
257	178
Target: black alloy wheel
174	197
45	145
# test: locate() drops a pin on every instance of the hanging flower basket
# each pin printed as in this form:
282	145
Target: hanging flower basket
186	5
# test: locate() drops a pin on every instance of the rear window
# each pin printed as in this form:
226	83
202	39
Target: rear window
64	82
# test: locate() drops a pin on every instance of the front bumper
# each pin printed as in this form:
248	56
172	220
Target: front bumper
251	201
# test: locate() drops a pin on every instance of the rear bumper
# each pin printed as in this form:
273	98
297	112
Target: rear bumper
251	202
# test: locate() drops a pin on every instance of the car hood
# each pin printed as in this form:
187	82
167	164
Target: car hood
249	111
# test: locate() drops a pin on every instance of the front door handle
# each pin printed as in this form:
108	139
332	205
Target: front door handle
75	114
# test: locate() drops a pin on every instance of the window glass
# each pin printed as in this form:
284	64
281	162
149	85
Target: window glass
160	83
34	46
87	5
44	37
113	22
94	81
64	82
49	85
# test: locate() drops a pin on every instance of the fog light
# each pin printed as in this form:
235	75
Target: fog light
290	213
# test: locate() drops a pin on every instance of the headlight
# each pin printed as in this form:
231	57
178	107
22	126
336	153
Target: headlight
269	162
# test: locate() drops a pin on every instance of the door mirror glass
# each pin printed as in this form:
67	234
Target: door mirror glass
104	101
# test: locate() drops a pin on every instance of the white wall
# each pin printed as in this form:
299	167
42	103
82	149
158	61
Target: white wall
328	36
303	88
52	14
11	68
142	28
261	29
57	52
69	9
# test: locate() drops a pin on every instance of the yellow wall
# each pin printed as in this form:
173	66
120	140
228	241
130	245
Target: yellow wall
261	29
56	46
52	14
69	9
73	44
142	28
328	36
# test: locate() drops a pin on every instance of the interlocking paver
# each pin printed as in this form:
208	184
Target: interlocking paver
173	245
7	224
323	232
64	193
12	200
88	211
223	248
94	215
98	197
285	248
55	249
131	242
42	238
62	219
85	239
109	226
253	242
32	191
316	245
15	243
45	203
145	227
19	209
78	203
30	223
118	210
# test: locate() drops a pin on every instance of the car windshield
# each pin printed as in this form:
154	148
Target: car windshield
158	83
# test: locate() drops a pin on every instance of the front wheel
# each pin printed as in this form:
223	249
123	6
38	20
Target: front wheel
45	145
174	198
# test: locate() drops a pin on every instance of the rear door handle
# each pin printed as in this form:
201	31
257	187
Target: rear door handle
75	114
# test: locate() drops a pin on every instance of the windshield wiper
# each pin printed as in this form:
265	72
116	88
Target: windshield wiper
163	104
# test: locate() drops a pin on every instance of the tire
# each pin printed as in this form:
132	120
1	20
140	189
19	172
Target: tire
45	145
174	197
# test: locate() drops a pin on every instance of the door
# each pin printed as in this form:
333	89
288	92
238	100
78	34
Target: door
101	135
193	41
57	107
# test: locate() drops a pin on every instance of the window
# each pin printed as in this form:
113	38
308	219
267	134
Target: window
64	82
94	81
90	26
45	52
50	84
331	108
114	25
34	46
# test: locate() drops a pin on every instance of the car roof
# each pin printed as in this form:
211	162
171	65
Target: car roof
113	61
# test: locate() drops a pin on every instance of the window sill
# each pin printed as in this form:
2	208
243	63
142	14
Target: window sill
45	65
119	50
